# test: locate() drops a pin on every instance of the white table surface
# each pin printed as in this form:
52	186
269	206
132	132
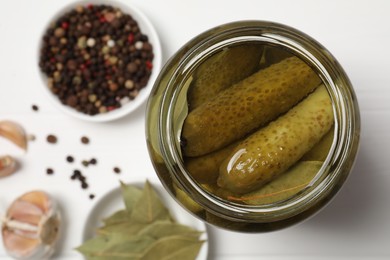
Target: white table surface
356	225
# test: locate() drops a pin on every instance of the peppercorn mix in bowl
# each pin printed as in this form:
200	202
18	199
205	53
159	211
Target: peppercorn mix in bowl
99	60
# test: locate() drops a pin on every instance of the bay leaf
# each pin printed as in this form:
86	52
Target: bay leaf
118	217
116	246
149	207
289	183
161	229
131	194
90	245
126	249
168	247
130	228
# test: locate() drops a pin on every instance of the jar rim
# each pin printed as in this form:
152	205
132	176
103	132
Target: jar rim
337	165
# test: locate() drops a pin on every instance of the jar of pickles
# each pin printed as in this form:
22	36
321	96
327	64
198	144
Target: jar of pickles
253	126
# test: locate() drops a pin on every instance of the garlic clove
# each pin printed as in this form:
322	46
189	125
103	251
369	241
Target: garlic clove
14	132
25	212
8	165
38	199
20	246
26	236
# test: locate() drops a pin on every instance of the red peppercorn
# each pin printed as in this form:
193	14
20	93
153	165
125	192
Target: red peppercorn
53	60
65	25
102	19
83	67
149	65
130	38
110	108
90	6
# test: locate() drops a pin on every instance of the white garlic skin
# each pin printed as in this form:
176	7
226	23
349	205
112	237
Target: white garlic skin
8	165
14	132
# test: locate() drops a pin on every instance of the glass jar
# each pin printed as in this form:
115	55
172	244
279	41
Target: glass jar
167	108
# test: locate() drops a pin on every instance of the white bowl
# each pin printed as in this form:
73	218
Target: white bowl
146	28
112	201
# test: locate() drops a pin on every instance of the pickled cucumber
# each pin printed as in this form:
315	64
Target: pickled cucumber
205	169
221	71
270	151
245	106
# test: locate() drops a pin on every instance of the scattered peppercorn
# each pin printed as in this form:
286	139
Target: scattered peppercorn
84	139
79	176
49	171
95	57
93	161
51	139
91	196
69	159
35	108
117	170
85	163
77	173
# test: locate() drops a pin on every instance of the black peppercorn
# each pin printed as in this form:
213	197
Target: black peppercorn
93	161
69	159
51	139
84	139
35	108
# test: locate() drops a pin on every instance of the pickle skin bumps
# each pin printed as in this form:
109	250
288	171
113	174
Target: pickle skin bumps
222	71
270	151
247	105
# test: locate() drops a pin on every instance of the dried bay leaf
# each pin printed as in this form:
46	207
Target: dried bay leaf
127	249
289	183
129	228
131	195
161	229
118	217
149	207
116	246
92	245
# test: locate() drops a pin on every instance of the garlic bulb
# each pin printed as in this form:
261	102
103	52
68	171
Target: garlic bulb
30	229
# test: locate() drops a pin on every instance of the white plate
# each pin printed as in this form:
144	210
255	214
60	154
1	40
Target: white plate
112	201
147	28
